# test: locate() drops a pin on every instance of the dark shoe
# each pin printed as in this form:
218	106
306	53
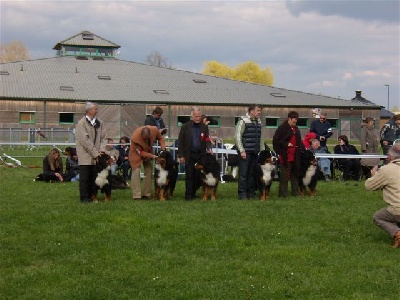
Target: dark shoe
327	178
86	200
243	198
137	198
146	197
188	198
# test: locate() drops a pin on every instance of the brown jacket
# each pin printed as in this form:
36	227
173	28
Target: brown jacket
387	178
140	150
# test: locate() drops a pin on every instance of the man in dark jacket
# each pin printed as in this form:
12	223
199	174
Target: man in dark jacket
288	145
389	133
248	143
322	128
194	141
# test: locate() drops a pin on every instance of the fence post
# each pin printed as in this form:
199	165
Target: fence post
31	135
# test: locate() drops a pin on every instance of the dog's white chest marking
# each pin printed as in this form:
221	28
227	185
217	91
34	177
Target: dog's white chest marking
210	180
267	170
309	174
162	176
101	179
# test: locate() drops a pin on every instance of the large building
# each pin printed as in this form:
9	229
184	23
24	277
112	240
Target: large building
50	93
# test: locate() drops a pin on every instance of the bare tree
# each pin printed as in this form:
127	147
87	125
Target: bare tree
156	59
13	51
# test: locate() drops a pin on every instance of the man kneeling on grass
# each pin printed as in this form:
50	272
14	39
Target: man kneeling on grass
387	178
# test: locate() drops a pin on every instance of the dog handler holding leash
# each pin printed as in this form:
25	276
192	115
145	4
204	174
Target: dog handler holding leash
88	136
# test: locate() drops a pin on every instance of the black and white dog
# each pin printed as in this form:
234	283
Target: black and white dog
210	175
165	175
265	172
308	173
103	177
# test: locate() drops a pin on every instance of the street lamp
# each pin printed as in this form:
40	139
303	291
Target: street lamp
388	87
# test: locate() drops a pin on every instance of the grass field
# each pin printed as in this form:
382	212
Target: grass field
325	247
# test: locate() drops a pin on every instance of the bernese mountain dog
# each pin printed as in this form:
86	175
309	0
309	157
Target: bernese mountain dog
210	175
103	177
264	172
165	175
308	173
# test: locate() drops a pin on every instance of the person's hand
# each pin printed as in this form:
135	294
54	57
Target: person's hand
385	143
59	176
321	138
290	145
243	155
374	170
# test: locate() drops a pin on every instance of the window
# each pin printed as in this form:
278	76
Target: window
334	123
271	122
302	122
182	120
66	118
237	120
27	117
215	121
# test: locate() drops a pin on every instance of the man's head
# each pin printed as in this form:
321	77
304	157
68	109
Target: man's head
315	144
254	110
394	152
146	133
157	112
110	144
196	115
293	116
322	117
91	109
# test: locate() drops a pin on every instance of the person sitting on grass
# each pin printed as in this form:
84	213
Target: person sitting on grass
387	178
71	164
53	166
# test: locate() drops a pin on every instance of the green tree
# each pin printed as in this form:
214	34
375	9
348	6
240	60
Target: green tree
248	71
13	51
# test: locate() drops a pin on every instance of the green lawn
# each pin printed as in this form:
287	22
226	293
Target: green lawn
325	247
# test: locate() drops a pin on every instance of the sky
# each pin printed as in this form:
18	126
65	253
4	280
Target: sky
331	48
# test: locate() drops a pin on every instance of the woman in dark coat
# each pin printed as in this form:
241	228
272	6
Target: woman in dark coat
53	166
350	166
288	145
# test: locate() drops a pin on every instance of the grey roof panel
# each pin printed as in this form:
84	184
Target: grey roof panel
136	82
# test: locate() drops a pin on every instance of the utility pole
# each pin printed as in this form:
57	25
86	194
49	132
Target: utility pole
388	87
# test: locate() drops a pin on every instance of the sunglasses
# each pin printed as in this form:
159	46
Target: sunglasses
323	119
